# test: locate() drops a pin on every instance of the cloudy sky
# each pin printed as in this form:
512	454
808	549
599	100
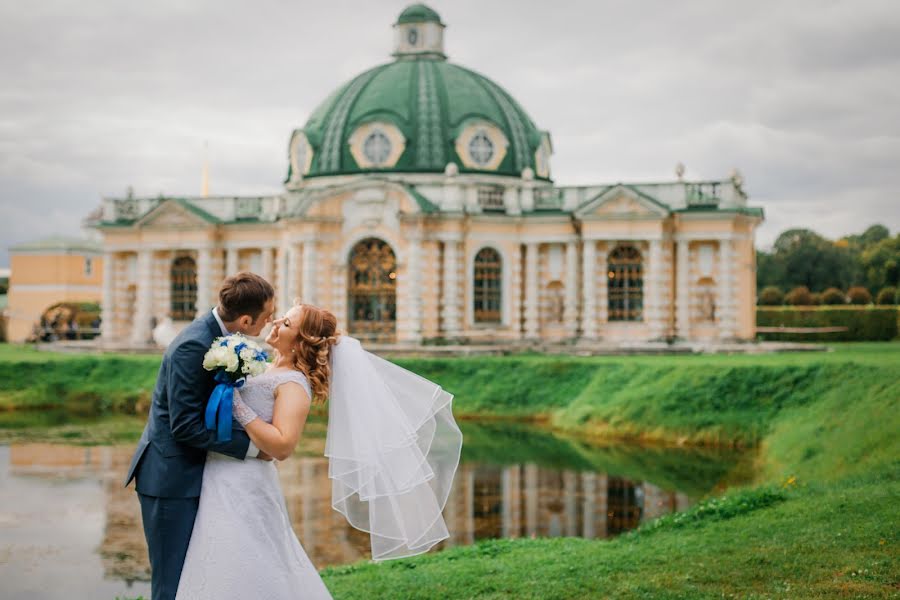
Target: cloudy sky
802	96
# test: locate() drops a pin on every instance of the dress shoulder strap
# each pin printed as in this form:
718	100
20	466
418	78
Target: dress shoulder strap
296	377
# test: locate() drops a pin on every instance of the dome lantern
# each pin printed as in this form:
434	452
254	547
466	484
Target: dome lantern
419	34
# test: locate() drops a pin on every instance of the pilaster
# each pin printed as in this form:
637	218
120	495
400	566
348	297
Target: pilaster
204	280
682	293
310	264
570	305
140	327
531	291
589	298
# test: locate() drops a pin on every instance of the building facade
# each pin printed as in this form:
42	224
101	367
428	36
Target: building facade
47	272
419	207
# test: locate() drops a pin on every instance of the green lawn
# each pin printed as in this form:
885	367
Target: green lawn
818	520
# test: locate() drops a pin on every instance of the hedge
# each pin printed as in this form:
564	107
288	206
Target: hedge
863	323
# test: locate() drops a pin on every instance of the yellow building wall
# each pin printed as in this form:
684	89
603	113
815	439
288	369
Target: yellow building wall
38	281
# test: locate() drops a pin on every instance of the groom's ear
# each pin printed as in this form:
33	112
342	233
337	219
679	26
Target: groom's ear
245	322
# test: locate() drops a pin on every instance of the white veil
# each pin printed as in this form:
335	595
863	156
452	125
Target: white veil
393	448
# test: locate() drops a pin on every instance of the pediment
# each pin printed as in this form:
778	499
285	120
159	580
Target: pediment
172	214
622	202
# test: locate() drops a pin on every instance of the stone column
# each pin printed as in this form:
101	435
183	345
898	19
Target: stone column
204	280
589	299
231	261
570	307
511	502
682	293
310	281
602	293
411	306
653	303
140	327
107	306
450	302
727	328
532	327
266	261
293	260
515	292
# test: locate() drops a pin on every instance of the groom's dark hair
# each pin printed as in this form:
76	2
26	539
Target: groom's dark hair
244	293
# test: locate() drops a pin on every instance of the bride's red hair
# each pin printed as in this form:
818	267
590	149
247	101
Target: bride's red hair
312	348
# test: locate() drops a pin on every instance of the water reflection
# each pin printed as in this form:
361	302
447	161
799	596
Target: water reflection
512	482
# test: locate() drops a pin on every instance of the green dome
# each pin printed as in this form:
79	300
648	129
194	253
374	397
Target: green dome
431	102
418	13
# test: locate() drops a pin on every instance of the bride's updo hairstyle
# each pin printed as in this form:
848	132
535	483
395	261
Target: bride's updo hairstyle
318	333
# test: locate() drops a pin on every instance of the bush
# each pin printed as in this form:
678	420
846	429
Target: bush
887	295
862	323
771	296
859	295
815	299
799	296
833	296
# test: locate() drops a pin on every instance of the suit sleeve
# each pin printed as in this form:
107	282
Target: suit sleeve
185	390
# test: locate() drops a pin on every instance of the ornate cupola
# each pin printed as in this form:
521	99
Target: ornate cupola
420	34
419	113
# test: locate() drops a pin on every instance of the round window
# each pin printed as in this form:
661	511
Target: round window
481	149
300	155
377	148
412	36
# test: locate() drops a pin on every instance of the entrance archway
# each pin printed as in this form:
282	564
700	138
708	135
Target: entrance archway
372	291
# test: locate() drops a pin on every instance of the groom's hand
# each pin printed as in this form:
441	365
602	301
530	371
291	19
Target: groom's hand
263	456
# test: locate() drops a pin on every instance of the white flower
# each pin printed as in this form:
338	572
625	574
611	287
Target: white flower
209	361
231	362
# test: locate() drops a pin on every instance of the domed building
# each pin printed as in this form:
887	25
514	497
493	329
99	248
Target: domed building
419	206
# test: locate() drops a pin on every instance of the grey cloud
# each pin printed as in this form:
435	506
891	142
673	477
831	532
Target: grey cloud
803	96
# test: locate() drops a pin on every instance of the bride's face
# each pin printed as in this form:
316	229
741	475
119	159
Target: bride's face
284	331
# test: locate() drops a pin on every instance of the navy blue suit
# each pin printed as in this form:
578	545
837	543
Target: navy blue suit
168	462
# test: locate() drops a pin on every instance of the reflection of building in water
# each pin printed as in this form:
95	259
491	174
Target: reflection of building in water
59	461
486	501
123	549
530	501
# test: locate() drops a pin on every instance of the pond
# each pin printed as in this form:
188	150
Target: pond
68	529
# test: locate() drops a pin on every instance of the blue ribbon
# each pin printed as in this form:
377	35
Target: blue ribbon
218	409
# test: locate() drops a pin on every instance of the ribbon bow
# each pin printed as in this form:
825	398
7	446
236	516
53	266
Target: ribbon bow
218	409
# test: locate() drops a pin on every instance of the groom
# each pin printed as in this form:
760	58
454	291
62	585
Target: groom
168	463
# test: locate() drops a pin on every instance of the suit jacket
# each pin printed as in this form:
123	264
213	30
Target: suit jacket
169	459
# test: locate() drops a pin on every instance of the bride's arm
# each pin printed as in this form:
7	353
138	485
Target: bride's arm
279	439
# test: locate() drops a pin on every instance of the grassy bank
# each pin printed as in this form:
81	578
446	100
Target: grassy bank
818	521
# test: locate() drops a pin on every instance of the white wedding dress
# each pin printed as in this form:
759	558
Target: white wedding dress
243	546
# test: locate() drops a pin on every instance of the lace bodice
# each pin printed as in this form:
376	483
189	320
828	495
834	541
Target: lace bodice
259	392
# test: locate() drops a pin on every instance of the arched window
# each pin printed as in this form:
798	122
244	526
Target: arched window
487	286
626	284
372	292
184	289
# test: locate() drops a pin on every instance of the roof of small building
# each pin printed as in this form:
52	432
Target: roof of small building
60	243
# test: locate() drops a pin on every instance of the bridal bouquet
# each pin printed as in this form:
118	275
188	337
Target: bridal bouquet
233	358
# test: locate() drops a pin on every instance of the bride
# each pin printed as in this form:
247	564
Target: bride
393	448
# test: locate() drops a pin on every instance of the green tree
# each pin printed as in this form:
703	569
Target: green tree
879	262
802	257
